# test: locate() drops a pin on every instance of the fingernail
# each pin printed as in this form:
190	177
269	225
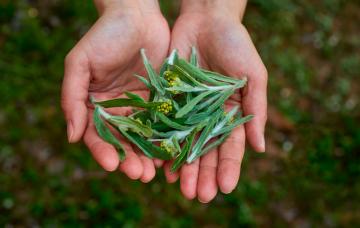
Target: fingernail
70	131
262	144
202	201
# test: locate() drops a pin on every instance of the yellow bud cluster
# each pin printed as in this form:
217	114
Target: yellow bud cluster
231	119
138	120
171	77
167	147
165	107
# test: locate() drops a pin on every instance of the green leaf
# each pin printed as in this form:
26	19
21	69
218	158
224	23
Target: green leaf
225	95
148	85
180	135
185	74
223	78
181	158
176	143
134	96
129	123
225	120
215	144
149	149
194	57
197	118
173	57
145	81
164	67
184	87
190	105
170	123
154	78
176	105
125	102
208	102
196	72
196	150
235	124
105	133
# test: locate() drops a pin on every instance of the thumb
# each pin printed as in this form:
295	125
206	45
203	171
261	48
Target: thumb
74	94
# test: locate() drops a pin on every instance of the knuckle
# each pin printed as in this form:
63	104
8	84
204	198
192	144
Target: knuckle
64	103
230	161
261	73
69	58
264	72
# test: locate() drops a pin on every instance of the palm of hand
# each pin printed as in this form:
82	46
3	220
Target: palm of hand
103	64
224	46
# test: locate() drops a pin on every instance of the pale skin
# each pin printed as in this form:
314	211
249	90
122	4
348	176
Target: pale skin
103	61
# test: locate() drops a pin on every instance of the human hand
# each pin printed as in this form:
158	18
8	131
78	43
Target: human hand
102	65
225	46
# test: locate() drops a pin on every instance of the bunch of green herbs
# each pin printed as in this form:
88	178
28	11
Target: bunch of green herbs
184	117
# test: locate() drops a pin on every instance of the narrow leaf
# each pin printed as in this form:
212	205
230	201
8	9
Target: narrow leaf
197	118
149	149
235	124
225	95
154	78
194	57
184	87
196	72
215	144
164	67
208	102
196	150
125	102
129	123
190	78
190	105
134	96
173	57
145	81
223	78
176	143
170	123
105	133
181	158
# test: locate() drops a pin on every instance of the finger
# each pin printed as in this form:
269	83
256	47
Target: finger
230	156
242	59
132	166
254	101
149	169
158	162
104	153
207	186
74	94
188	179
171	177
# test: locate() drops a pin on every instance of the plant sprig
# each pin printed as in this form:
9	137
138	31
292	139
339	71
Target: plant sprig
182	119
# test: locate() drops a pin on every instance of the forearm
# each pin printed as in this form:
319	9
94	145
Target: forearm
234	8
116	5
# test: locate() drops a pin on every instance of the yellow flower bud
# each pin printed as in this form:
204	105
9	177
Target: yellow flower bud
165	107
167	146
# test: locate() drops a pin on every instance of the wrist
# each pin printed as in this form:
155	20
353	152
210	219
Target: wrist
230	8
149	6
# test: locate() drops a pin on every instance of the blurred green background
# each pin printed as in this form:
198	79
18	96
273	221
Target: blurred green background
309	177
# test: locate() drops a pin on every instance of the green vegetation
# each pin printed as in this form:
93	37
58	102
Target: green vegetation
158	129
310	175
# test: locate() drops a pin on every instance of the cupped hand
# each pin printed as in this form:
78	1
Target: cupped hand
224	46
102	65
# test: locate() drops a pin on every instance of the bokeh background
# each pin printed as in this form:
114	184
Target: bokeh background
309	177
